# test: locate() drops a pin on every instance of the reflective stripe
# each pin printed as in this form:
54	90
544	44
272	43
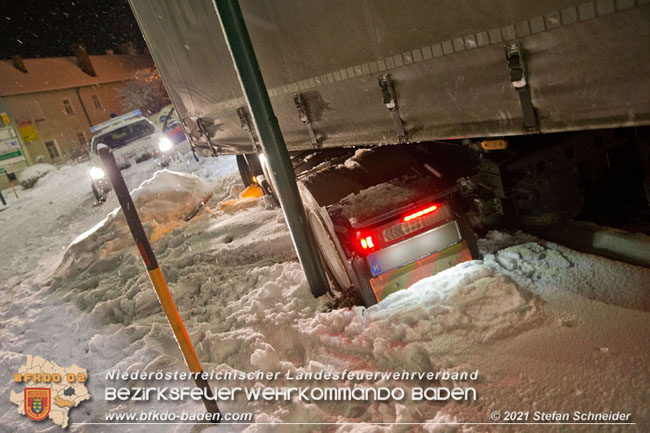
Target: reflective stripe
175	321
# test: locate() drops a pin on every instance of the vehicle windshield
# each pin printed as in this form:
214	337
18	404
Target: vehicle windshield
122	136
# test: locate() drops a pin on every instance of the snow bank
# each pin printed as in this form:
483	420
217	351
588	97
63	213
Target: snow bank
552	270
411	327
162	203
472	298
45	319
30	175
35	171
534	318
236	281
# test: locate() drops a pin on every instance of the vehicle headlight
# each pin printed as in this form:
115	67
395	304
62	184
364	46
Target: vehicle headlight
96	173
165	144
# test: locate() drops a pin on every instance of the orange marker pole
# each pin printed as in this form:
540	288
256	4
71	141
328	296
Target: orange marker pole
157	278
13	188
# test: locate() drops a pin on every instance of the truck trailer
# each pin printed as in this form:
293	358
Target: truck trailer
411	125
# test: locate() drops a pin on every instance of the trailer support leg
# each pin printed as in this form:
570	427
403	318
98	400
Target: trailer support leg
157	279
273	145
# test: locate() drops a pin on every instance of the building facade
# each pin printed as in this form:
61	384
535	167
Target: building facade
48	105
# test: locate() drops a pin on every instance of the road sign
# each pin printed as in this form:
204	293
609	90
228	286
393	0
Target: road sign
10	151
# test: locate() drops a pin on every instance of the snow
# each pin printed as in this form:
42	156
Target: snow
383	197
352	162
35	171
46	218
548	328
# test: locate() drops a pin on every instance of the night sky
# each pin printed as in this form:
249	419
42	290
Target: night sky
49	28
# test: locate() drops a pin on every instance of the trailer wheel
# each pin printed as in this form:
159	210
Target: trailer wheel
362	283
340	271
349	280
244	170
267	186
253	161
334	265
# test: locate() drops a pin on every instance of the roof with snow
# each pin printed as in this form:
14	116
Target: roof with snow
57	73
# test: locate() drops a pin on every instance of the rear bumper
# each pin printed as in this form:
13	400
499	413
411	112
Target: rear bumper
410	274
400	266
414	248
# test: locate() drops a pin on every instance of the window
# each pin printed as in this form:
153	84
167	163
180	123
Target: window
67	106
96	101
81	138
52	149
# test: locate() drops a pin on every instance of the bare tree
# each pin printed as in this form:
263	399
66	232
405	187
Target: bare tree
145	90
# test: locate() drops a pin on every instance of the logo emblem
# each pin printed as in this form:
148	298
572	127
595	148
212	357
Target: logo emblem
37	403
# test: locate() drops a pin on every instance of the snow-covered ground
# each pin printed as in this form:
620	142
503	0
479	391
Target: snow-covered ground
547	328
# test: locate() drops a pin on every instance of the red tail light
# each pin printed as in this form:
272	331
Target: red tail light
373	238
366	243
418	214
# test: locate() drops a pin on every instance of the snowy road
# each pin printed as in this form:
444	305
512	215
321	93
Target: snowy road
548	329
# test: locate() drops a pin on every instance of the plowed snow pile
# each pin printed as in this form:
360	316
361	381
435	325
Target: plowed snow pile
546	327
162	203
